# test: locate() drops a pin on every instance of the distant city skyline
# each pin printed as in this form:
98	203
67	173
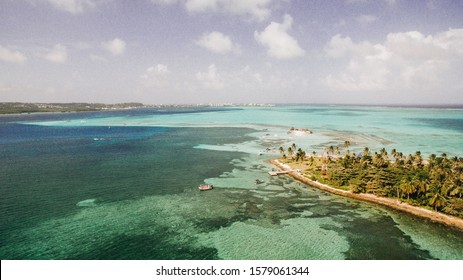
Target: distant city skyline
232	51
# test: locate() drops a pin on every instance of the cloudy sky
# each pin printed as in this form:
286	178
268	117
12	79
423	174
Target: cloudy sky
240	51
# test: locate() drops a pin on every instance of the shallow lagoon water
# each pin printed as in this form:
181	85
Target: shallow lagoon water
122	185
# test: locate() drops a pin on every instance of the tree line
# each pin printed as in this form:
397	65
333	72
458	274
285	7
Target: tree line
19	107
434	182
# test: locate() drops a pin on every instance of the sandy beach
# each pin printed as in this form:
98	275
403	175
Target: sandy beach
389	202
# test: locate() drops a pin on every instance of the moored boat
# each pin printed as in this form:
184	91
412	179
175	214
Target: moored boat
205	187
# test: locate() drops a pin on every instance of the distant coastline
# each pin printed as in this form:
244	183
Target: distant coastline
389	202
10	108
7	108
26	108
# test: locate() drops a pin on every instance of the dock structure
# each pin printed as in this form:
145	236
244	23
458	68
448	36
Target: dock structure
276	173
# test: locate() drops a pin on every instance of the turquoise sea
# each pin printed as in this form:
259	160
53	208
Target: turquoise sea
123	185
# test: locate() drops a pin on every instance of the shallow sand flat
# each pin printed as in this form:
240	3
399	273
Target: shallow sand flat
251	241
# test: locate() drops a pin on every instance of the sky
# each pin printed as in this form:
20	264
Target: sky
232	51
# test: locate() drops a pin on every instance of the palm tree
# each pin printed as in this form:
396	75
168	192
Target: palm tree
282	152
346	161
397	187
418	159
336	151
366	158
422	185
311	160
346	144
432	161
396	155
347	152
300	154
366	151
386	159
447	187
437	201
331	150
407	186
457	191
379	161
409	160
455	161
294	147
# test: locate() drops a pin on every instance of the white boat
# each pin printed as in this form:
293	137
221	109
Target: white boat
205	187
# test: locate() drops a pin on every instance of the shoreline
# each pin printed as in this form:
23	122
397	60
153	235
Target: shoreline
21	108
385	201
32	113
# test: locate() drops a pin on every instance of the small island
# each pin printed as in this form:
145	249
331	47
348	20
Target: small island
431	188
299	131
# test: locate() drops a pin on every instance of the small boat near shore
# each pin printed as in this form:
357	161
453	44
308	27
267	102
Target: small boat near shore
205	187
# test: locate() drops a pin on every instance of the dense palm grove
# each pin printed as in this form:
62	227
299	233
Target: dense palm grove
435	182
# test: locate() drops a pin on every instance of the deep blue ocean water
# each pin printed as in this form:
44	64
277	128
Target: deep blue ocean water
123	185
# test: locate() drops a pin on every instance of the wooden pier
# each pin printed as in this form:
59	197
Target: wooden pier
276	173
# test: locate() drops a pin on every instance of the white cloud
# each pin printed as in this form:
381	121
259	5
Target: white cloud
11	56
425	73
75	6
211	79
338	46
201	5
159	69
238	84
256	9
95	57
279	43
388	2
218	43
366	19
164	2
415	46
156	76
115	47
405	61
57	55
247	80
366	69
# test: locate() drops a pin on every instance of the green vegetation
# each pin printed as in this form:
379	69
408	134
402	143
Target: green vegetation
18	108
435	183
